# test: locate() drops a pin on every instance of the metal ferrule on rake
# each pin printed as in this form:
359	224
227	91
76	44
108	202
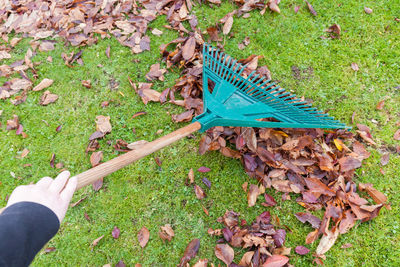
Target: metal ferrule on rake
233	100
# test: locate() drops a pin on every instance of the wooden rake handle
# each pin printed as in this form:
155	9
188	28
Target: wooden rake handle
90	176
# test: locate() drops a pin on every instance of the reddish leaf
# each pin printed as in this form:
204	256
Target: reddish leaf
354	66
203	169
53	158
301	250
59	127
96	241
380	105
185	116
166	232
367	10
317	186
120	264
308	217
190	252
115	232
385	159
108	51
279	237
95	158
276	261
349	163
97	185
48	98
310	7
269	200
188	48
327	241
143	236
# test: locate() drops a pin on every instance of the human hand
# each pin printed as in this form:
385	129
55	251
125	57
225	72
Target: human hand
53	194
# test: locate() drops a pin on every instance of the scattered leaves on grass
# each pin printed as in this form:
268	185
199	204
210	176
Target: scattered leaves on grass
95	158
327	241
148	94
396	135
279	237
48	98
43	84
201	263
155	73
115	232
385	159
189	48
49	249
190	252
52	159
24	153
380	105
228	25
78	202
121	263
347	245
225	253
108	51
206	182
97	185
143	236
191	176
252	195
166	233
308	217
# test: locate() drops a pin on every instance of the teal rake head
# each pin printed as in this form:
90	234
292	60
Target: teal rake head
233	100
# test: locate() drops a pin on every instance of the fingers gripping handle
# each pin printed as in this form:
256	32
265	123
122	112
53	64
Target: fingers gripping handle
106	168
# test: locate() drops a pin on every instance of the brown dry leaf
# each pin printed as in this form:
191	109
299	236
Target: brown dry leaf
48	98
191	176
380	105
385	159
273	5
43	84
96	157
166	233
13	124
190	252
46	46
252	195
201	263
335	30
103	124
96	241
317	186
155	73
311	8
354	66
189	48
20	84
143	236
199	192
14	41
148	94
225	253
359	149
108	51
87	83
246	259
185	116
228	25
327	241
347	245
367	10
396	135
213	32
377	196
24	153
4	55
249	137
349	163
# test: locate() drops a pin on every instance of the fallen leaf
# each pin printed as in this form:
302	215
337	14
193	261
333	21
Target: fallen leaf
273	5
24	153
95	158
367	10
327	241
354	66
120	264
201	263
396	135
296	9
228	25
191	176
349	163
166	233
252	195
385	159
335	30
203	169
276	261
347	245
380	105
377	196
143	236
206	182
96	241
43	84
108	51
183	117
301	250
311	8
190	252
48	98
49	249
53	158
188	48
279	237
156	32
225	253
308	217
199	192
115	232
98	184
103	124
87	83
246	259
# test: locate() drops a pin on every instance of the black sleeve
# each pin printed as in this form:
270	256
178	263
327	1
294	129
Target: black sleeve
25	227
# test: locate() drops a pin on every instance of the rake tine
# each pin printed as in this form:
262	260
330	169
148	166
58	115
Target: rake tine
226	70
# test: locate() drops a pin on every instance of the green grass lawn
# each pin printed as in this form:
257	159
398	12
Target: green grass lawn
143	194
